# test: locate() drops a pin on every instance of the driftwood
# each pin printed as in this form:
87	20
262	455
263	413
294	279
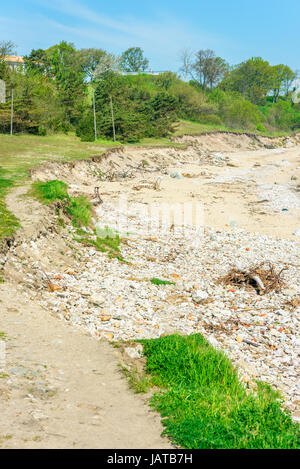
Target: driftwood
263	278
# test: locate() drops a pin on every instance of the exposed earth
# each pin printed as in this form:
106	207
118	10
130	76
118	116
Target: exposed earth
61	386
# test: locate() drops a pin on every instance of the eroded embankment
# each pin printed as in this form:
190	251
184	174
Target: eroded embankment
126	161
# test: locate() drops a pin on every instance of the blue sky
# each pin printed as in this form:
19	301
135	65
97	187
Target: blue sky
235	29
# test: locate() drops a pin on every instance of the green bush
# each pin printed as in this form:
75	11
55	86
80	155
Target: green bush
242	115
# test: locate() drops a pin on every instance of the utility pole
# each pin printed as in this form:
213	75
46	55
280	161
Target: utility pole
94	111
12	111
112	118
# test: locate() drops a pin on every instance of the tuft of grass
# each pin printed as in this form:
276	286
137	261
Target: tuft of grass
139	384
8	222
78	208
3	375
158	281
205	406
104	240
50	191
108	244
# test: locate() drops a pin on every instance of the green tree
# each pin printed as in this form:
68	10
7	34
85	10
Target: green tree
137	113
38	61
6	48
282	78
253	79
133	60
96	61
69	76
208	69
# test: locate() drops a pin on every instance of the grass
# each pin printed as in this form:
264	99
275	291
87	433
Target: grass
8	222
204	404
50	191
78	208
185	127
26	151
104	243
139	384
158	281
19	153
22	152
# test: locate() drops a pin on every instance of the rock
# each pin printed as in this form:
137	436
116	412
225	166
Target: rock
104	318
134	352
20	370
199	296
96	300
233	223
176	175
297	232
213	341
108	335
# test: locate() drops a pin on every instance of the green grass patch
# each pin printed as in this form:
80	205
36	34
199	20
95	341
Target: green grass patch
78	208
26	151
8	222
186	127
158	281
204	404
3	375
138	383
108	244
50	191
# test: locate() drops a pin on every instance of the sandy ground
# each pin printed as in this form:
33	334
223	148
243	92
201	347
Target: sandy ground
63	388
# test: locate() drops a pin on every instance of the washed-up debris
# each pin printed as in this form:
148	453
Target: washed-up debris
262	279
97	198
294	302
149	185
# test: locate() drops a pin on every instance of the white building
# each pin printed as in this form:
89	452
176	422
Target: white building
14	61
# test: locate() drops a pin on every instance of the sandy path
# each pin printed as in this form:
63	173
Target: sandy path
64	389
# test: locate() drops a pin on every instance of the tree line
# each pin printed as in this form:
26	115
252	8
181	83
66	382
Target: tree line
254	79
89	91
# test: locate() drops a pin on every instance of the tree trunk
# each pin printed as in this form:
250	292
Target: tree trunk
12	112
94	112
112	118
